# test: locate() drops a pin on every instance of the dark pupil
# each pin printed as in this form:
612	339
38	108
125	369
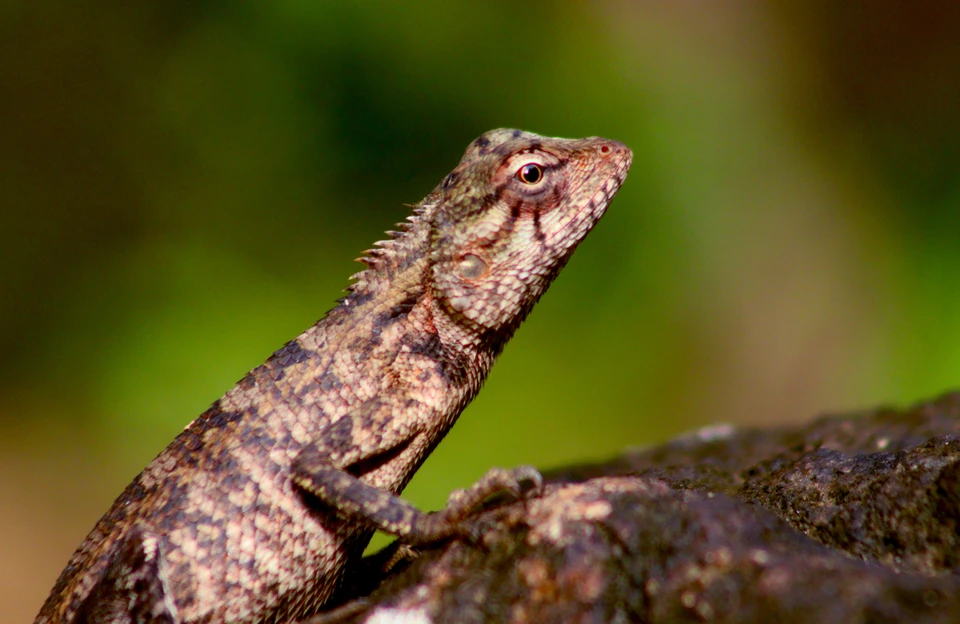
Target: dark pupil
530	174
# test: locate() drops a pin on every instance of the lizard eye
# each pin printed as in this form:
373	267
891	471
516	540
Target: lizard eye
530	173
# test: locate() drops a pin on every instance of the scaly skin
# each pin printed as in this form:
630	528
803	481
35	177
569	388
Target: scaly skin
253	513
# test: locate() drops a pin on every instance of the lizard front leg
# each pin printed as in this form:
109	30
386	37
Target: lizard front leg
334	476
133	588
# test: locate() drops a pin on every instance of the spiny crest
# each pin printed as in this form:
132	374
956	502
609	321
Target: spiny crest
388	252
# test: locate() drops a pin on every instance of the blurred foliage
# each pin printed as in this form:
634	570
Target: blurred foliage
185	184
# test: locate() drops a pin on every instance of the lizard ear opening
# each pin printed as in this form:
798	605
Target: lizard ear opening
472	266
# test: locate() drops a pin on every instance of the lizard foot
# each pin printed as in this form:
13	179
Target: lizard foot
522	482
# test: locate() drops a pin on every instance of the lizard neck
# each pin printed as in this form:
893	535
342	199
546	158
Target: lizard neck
397	313
393	302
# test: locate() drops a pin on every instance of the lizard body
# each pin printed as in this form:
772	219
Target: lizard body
255	510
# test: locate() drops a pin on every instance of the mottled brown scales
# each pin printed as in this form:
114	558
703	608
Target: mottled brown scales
253	513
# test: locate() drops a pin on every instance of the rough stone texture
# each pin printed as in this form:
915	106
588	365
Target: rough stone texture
848	519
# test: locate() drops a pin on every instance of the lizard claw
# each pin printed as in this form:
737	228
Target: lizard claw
470	532
519	483
529	482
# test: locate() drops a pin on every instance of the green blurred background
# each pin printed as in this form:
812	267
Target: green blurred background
183	186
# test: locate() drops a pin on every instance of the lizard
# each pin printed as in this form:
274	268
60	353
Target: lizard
256	510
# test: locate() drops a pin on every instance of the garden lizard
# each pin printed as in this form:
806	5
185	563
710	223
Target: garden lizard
254	512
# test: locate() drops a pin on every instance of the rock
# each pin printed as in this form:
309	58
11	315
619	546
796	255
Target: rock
848	519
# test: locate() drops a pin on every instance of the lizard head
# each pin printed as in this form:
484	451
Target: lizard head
507	219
